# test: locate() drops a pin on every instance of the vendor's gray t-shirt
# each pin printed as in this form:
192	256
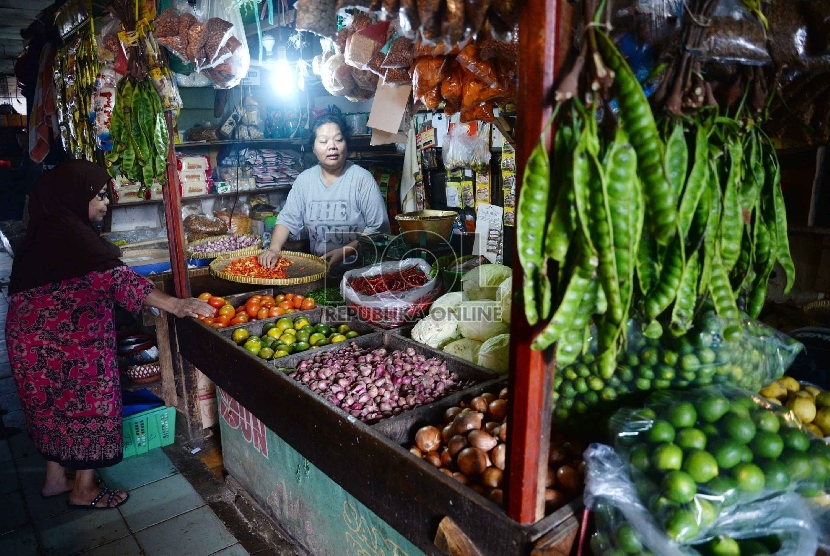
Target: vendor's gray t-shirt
334	215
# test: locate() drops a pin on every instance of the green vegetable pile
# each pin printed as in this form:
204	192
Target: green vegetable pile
696	359
138	132
329	297
643	223
694	455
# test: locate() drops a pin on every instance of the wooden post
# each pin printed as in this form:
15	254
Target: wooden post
168	376
541	53
173	216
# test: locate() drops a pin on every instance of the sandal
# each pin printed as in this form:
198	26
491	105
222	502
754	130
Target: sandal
98	482
108	506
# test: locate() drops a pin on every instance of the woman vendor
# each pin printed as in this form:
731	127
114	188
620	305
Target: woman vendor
335	201
61	334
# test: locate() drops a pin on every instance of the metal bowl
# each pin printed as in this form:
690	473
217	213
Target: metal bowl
436	225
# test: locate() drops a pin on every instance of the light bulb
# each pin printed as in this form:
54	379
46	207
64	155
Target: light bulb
268	42
282	78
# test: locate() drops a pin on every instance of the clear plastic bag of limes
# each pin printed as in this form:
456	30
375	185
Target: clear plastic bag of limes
695	456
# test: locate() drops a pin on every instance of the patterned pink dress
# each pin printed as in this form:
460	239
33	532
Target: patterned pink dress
61	343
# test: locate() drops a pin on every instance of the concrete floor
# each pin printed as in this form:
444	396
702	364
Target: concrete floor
178	505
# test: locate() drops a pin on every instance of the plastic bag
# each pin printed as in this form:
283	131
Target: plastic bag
787	34
699	456
466	150
317	16
392	306
203	224
399	55
451	87
623	524
427	74
397	76
430	14
483	70
453	25
702	357
336	75
363	44
818	24
734	34
483	112
408	19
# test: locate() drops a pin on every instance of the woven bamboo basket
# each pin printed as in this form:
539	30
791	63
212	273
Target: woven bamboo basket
306	268
254	249
817	313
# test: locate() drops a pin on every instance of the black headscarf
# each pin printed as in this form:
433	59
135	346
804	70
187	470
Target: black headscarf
60	242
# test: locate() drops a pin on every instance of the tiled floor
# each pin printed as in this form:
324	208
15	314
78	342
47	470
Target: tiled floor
164	515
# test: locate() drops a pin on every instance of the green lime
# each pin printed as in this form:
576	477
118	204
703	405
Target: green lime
628	539
667	457
666	372
646	373
352	334
300	346
689	362
766	420
742	406
640	457
679	487
284	323
809	489
710	430
595	383
343	328
322	343
682	526
738	426
706	511
650	357
751	547
300	322
706	356
776	476
643	384
266	353
727	453
691	439
280	353
682	415
712	407
795	439
302	336
722	546
581	385
724	488
701	466
316	338
288	339
337	338
819	468
661	431
661	384
240	335
767	444
323	329
746	455
268	326
253	347
670	358
750	478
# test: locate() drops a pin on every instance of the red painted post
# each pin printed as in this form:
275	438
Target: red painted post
542	49
173	216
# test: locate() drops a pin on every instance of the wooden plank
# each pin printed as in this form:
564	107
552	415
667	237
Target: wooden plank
172	214
540	26
410	495
168	377
558	542
188	404
451	540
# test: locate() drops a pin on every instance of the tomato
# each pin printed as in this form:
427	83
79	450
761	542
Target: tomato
275	312
252	309
298	301
227	309
286	305
240	309
223	319
262	313
216	302
255	298
219	325
267	301
289	297
241	318
208	320
204	296
308	304
279	298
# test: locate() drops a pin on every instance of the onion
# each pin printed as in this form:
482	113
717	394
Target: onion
433	459
461	478
446	471
498	455
503	432
497	410
478	404
492	477
490	427
471	461
447	433
488	397
428	438
416	452
496	495
467	421
446	458
550	477
456	444
568	479
554	499
481	440
503	394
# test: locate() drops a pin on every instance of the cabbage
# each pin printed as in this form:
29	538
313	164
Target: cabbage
504	295
480	320
446	306
435	333
464	348
483	281
494	353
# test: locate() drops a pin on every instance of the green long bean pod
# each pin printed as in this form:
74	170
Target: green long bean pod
563	220
732	222
721	291
710	239
684	303
530	225
570	344
638	122
569	306
782	252
677	158
664	292
698	178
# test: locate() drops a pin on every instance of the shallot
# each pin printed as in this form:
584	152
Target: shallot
224	244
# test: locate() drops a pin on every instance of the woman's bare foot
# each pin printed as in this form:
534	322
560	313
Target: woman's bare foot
56	481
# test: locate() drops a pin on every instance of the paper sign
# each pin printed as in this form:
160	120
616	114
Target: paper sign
388	107
442	128
453	197
384	138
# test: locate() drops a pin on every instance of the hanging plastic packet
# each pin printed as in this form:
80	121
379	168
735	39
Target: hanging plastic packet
734	34
317	16
363	44
818	24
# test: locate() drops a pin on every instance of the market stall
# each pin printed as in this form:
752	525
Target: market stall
599	271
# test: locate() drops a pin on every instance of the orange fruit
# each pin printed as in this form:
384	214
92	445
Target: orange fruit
216	302
204	296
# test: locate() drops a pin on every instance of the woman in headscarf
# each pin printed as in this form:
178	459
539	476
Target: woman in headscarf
61	334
